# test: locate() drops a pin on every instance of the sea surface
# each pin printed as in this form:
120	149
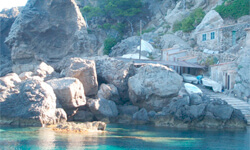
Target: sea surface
125	137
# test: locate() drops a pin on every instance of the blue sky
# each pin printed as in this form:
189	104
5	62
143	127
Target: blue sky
11	3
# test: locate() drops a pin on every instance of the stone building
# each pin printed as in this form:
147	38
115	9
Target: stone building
179	60
225	74
221	38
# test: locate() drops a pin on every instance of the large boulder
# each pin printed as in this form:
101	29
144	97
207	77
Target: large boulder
153	85
211	20
102	108
48	31
33	105
69	92
109	91
85	71
116	72
8	85
9	81
40	69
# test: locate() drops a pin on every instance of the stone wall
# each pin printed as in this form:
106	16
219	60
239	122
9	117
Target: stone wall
223	37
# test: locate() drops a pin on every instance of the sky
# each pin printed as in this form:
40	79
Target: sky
11	3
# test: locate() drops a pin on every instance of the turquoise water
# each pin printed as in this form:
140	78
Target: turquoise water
121	137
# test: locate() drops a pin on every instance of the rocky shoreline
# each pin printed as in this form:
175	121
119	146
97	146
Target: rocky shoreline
150	94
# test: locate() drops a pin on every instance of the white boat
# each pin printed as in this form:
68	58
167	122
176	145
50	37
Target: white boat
192	89
211	83
189	78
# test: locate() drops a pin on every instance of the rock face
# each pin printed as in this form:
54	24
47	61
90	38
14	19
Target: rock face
48	31
126	46
171	40
103	108
69	92
208	114
33	105
110	92
242	88
7	17
116	72
153	85
85	71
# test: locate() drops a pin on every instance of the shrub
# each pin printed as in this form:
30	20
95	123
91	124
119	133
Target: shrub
189	23
233	8
108	44
177	26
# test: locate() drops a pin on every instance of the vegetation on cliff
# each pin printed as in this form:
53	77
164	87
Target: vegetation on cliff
189	23
233	8
119	17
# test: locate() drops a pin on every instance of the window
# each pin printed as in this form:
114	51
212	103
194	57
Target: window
212	35
204	37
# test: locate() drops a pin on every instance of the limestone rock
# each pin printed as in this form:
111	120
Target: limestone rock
177	14
110	92
9	81
103	108
48	31
33	105
25	75
43	70
85	71
211	20
171	40
80	127
69	92
116	72
153	85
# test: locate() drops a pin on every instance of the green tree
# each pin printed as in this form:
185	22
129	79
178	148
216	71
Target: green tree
108	44
233	8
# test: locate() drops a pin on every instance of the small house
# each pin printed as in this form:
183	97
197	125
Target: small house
178	60
222	38
225	74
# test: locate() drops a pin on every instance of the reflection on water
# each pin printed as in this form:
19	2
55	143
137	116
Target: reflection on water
46	138
120	137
